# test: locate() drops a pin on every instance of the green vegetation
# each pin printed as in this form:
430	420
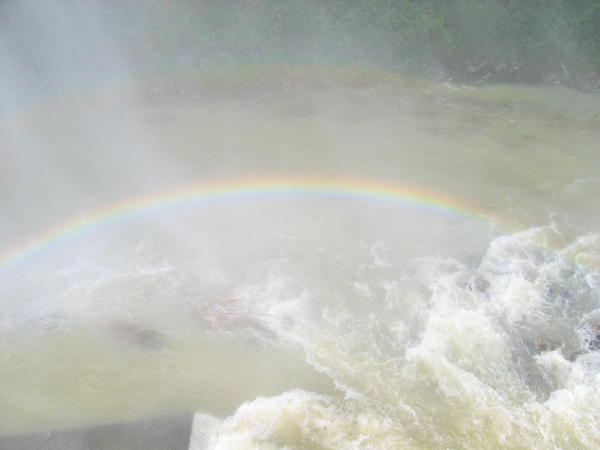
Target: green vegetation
519	40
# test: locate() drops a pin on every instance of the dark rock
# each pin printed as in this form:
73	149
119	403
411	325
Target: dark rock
478	74
488	72
510	72
547	344
139	334
594	340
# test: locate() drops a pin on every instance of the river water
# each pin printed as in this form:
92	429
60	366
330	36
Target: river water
331	260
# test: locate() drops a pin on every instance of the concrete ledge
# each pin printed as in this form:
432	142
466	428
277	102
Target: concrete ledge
166	433
204	432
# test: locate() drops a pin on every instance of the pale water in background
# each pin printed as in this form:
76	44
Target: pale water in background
342	321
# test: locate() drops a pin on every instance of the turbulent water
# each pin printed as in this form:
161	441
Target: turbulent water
428	279
315	321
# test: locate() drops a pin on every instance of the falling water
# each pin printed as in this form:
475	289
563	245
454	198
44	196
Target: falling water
317	257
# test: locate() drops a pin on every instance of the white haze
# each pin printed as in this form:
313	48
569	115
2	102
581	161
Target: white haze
93	148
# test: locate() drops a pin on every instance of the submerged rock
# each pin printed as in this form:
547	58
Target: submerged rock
244	317
591	333
547	344
140	334
488	72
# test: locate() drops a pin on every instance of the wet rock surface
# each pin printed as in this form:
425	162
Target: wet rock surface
591	332
507	73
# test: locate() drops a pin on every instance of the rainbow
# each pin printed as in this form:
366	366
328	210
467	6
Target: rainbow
246	189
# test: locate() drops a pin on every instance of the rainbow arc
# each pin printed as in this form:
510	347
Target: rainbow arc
197	195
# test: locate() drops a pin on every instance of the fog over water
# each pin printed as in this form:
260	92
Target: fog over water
320	256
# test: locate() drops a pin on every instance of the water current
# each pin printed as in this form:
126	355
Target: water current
454	306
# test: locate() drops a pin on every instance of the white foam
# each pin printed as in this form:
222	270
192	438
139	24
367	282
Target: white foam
299	419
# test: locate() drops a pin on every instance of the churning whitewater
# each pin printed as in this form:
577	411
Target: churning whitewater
365	344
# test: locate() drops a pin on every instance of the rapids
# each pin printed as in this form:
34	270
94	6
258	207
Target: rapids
318	320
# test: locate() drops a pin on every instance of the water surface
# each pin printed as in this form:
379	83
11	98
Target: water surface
341	321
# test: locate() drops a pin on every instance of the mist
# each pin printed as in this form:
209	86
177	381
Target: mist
90	146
